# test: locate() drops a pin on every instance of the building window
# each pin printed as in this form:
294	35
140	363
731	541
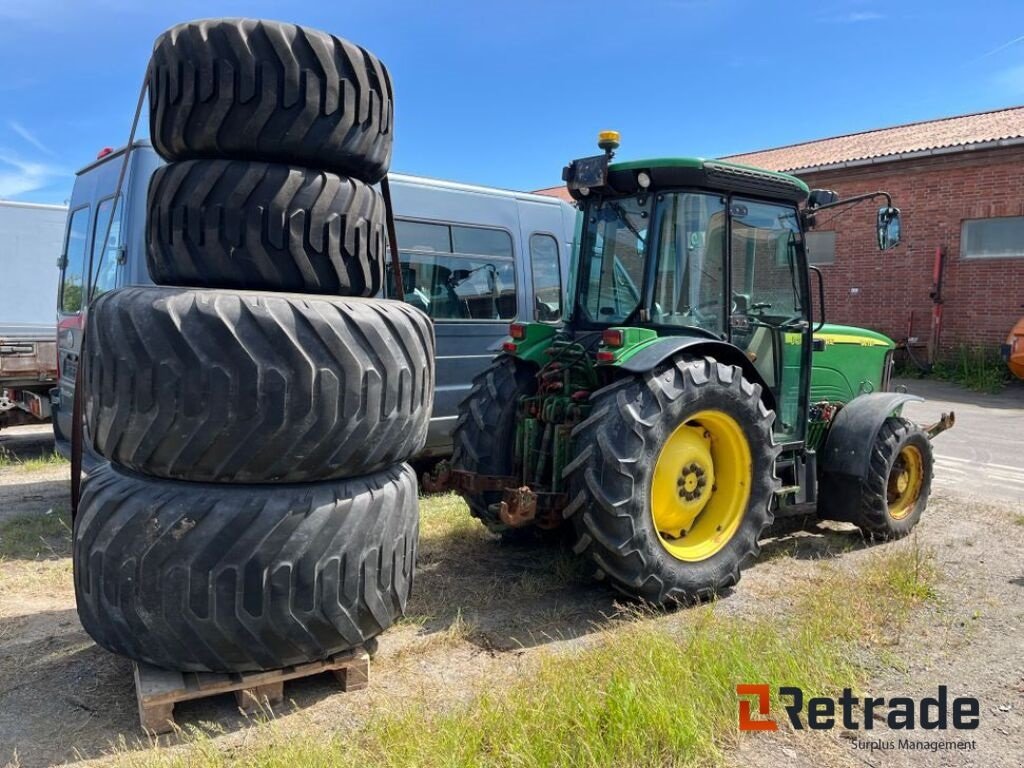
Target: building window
547	278
999	238
455	272
821	247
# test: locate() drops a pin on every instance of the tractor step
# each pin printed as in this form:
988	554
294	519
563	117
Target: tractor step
158	690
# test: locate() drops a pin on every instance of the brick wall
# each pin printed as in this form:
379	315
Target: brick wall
983	298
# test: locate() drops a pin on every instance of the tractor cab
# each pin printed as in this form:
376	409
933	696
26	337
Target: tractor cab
679	409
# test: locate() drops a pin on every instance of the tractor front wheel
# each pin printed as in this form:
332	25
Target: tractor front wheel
673	480
888	501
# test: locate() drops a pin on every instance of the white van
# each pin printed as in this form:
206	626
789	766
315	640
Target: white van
473	258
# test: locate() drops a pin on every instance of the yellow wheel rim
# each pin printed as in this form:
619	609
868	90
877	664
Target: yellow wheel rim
701	485
905	479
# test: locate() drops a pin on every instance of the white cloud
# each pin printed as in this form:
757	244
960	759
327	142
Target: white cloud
18	176
22	131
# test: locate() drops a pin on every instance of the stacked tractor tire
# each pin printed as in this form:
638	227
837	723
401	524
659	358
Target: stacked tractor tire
256	407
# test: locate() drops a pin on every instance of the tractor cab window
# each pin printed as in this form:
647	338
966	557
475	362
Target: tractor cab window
614	248
689	280
767	315
764	266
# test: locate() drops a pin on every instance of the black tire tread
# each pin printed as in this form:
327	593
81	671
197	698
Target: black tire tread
484	433
264	226
234	387
265	90
206	578
864	501
616	448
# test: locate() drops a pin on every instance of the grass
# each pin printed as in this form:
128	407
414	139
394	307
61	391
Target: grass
36	536
1018	518
35	464
642	693
977	368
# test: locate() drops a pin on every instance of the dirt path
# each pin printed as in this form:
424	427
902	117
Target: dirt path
29	492
483	612
493	607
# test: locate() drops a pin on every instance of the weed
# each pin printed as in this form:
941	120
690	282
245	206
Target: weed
639	694
34	537
977	368
35	464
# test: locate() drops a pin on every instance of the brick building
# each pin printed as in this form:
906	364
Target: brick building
959	183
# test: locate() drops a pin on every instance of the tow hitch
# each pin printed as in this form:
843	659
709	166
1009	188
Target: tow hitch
520	504
946	421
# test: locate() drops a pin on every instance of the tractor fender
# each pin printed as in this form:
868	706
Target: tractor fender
854	431
657	352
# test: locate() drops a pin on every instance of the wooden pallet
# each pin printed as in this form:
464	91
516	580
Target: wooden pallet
158	690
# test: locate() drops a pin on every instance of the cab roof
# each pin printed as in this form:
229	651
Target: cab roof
718	175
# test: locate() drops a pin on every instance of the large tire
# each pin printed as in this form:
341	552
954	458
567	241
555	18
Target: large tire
618	450
263	226
200	577
226	387
265	90
484	435
875	503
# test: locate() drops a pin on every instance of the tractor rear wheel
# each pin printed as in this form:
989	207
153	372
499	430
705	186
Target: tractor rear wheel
889	500
485	433
673	482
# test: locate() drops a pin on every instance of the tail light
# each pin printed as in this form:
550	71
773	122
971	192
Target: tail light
612	337
517	331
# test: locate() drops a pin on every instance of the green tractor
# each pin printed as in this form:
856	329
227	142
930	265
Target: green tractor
691	397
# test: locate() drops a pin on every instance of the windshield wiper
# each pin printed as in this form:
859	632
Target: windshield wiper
622	215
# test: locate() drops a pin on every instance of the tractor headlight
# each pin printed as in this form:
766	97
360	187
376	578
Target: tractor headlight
643	179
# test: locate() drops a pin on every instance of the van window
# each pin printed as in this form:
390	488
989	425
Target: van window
456	272
547	278
104	260
417	236
74	261
486	242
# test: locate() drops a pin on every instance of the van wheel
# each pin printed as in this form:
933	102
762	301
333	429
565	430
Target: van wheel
221	578
227	387
264	226
265	90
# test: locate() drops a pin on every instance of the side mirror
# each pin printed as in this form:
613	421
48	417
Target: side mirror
888	228
822	197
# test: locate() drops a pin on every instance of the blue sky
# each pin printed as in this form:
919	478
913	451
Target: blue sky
503	93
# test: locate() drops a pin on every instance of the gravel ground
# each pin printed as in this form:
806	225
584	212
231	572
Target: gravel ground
492	608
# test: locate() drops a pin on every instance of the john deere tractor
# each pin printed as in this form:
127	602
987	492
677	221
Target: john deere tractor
692	395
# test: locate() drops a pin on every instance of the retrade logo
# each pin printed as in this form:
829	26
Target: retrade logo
761	694
822	713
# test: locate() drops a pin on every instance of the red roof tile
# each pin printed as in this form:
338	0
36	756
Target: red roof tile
951	132
560	192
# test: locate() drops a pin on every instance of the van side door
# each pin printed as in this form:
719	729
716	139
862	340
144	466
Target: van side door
464	277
